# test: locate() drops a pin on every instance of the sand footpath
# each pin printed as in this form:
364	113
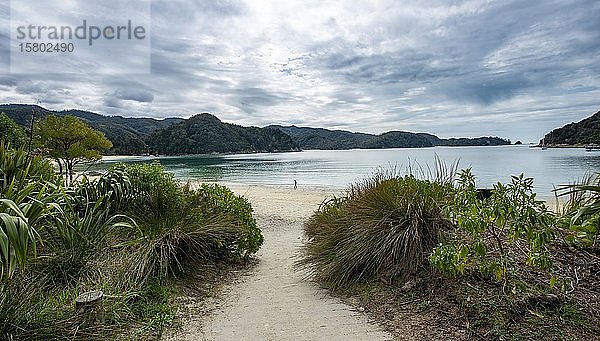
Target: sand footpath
275	302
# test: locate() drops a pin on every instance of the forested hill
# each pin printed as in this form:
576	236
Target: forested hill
128	135
318	138
583	132
205	133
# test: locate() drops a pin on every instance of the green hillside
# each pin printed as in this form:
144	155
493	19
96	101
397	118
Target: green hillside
319	138
128	135
584	132
205	133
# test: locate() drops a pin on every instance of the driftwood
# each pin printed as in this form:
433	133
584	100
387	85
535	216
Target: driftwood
89	306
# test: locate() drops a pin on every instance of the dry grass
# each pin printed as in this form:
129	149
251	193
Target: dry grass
384	228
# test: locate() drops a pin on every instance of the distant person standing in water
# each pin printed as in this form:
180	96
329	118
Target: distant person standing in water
295	184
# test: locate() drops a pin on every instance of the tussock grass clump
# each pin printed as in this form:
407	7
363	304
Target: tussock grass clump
385	227
177	225
130	233
581	212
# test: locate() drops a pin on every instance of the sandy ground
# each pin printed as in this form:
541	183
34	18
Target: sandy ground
117	158
275	302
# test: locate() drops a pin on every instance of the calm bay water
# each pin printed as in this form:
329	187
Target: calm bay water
337	169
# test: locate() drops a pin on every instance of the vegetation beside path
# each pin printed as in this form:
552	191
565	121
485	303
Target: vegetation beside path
439	259
135	233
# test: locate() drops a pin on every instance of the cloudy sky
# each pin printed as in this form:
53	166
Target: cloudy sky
514	69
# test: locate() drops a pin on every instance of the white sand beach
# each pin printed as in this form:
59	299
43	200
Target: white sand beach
275	302
117	158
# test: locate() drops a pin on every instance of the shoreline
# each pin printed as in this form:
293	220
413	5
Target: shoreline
563	146
554	204
275	199
117	158
152	157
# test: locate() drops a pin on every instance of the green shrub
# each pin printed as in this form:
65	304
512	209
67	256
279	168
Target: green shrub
582	211
176	226
113	187
77	237
86	223
491	234
164	245
27	197
215	200
18	169
385	227
23	214
82	238
153	190
10	132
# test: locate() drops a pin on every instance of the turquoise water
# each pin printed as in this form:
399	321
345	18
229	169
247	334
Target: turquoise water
337	169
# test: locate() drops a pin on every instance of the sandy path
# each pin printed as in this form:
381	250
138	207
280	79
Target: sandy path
274	302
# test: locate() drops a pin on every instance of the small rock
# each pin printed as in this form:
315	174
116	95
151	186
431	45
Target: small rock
408	285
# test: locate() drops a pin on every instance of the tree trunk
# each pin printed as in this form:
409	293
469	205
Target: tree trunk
90	308
60	167
67	167
70	173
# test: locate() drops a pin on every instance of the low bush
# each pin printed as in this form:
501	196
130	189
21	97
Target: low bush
153	190
492	234
127	233
496	267
385	227
176	225
113	188
216	200
582	212
77	236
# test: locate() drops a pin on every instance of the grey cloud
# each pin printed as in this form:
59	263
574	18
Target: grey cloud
259	96
4	37
454	68
252	100
8	81
222	7
182	10
49	99
31	88
112	102
487	89
134	95
463	75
